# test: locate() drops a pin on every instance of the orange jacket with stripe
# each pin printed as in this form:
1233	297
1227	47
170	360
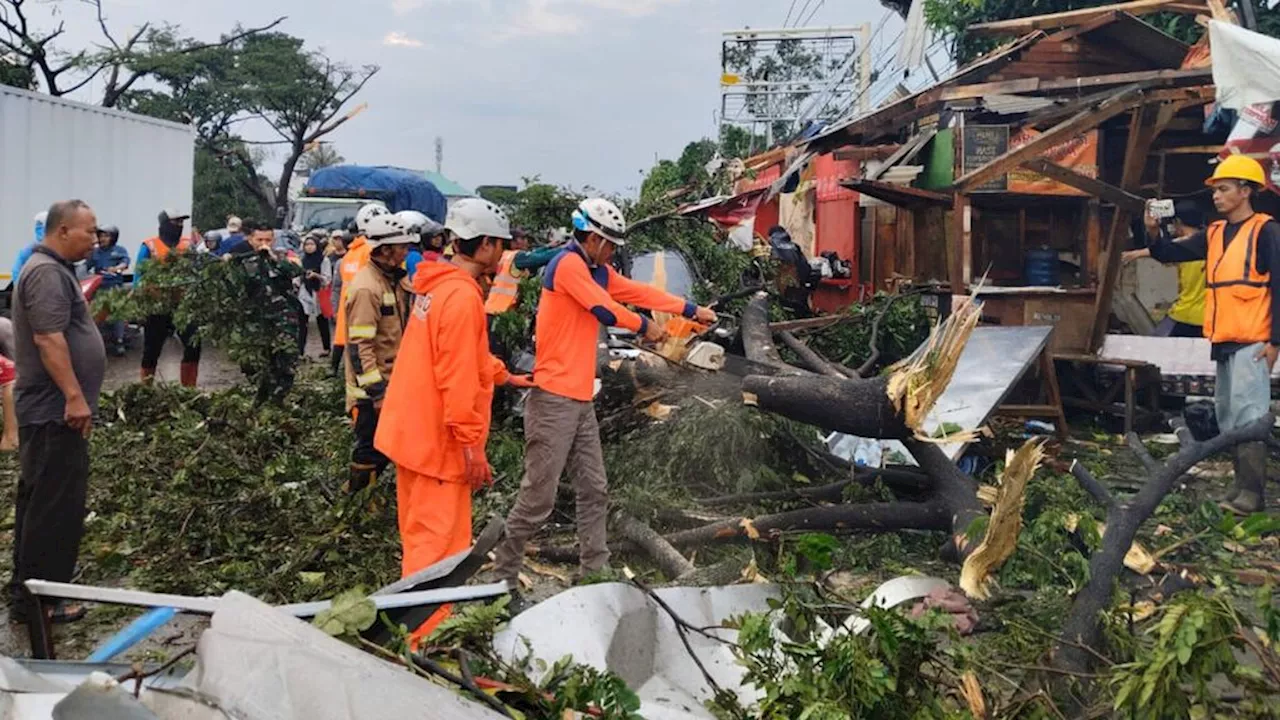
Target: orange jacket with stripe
576	299
441	388
356	258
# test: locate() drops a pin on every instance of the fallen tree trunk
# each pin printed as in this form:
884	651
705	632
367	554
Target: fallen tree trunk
856	407
901	479
1082	632
874	517
757	339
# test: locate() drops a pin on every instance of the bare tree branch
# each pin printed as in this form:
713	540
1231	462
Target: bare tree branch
1092	486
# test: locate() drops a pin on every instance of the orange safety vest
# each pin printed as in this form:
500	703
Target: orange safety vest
356	258
505	289
159	251
1238	305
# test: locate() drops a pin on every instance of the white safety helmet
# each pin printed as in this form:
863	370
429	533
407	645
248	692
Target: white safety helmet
367	213
388	229
470	218
414	219
603	217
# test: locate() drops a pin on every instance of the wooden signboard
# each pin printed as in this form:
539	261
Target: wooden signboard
979	145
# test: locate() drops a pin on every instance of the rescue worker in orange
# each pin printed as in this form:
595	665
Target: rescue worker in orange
1243	278
355	258
580	291
158	328
516	264
377	308
435	420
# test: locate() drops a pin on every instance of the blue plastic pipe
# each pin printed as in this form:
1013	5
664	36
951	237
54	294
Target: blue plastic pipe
134	633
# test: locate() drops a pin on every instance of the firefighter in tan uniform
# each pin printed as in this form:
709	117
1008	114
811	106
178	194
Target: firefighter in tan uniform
377	301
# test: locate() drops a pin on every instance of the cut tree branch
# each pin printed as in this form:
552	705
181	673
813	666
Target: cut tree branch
1082	626
1091	485
1135	444
809	356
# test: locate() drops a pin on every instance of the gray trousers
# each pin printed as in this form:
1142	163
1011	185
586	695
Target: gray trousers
559	433
1243	390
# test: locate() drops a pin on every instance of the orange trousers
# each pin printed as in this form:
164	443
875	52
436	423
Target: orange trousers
435	523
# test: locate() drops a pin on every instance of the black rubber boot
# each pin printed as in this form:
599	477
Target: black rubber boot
362	476
1251	479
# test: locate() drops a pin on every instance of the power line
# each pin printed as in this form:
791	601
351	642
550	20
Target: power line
803	8
816	8
789	11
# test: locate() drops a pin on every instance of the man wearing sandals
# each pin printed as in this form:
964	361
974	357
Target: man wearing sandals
61	362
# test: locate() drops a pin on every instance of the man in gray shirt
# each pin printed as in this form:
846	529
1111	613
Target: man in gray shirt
61	362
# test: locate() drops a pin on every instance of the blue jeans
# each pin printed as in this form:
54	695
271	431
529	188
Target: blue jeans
1243	391
115	331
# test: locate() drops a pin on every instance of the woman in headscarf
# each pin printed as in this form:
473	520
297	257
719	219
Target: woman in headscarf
309	287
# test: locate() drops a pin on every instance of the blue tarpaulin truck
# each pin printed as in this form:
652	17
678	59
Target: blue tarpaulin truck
332	195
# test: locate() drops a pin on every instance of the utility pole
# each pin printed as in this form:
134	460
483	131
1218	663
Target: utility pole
439	155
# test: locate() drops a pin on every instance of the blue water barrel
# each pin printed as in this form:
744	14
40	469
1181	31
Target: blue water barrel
1040	267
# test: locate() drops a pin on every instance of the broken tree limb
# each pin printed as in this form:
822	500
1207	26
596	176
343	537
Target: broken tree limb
669	560
954	490
1001	537
811	359
901	478
874	517
757	340
1091	485
1139	449
856	407
1082	629
870	363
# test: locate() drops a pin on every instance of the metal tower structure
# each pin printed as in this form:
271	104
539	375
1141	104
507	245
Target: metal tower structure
774	82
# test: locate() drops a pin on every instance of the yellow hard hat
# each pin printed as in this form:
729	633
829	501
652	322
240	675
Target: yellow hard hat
1239	167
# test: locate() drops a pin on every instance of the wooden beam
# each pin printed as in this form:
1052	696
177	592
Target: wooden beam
1142	133
959	245
1019	26
1193	76
1093	186
869	152
1084	120
1092	245
900	155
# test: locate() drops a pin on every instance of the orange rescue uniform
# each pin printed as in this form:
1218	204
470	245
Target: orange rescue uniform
506	286
356	258
437	403
1238	305
576	299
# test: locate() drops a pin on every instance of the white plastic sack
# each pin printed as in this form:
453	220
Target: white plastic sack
1246	65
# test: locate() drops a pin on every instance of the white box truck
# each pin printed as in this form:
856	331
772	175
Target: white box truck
127	167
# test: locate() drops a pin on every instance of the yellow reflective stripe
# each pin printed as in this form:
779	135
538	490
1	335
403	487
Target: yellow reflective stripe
362	332
369	378
357	393
503	290
388	298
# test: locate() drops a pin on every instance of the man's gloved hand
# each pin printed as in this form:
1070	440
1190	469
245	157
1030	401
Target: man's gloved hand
705	315
478	472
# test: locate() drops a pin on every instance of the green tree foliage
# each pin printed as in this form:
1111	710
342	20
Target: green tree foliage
320	156
246	305
951	17
15	74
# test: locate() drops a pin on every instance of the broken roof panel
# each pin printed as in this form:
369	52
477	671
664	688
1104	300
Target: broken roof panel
1069	18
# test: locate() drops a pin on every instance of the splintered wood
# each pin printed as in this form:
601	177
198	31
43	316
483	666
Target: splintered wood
915	384
1001	538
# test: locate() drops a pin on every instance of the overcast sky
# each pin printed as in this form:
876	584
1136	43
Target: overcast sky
579	92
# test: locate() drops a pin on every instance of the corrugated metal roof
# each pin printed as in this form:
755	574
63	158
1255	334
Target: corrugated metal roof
1015	104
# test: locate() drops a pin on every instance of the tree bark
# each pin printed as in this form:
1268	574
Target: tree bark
669	560
757	339
856	407
810	357
1082	629
875	517
903	479
953	490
